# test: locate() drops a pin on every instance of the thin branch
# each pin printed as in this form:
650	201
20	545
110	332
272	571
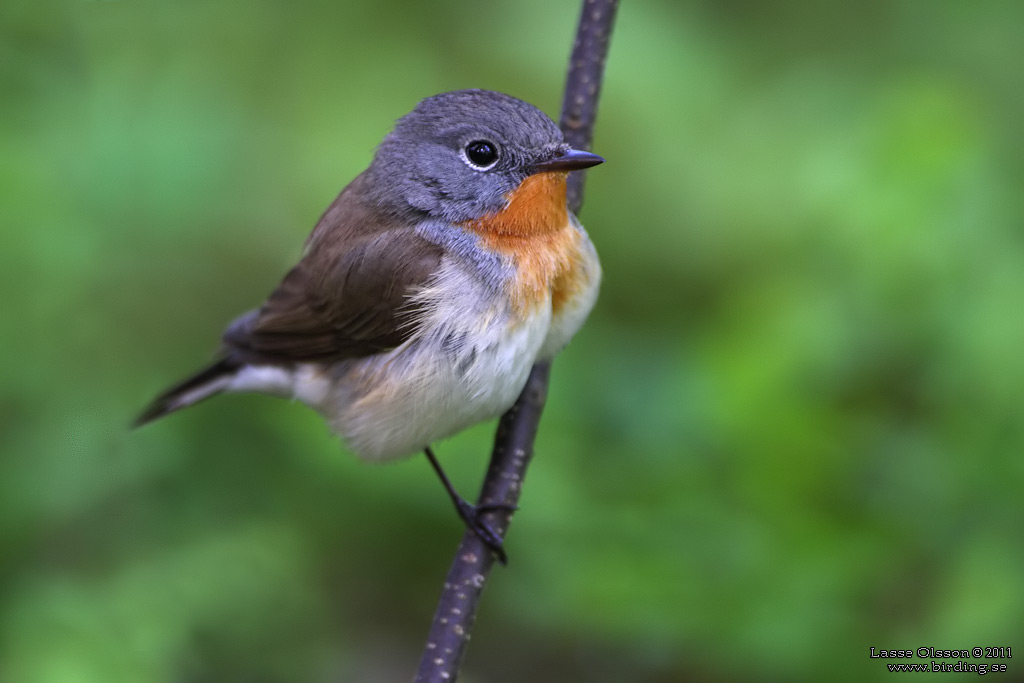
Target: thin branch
513	444
583	83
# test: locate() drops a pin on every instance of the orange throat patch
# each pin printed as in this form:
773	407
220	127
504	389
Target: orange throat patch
536	207
533	230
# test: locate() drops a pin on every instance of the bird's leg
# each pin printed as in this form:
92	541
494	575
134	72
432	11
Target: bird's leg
472	515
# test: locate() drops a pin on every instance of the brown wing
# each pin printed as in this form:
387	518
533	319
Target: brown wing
348	296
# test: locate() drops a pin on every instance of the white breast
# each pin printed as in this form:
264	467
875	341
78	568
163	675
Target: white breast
467	363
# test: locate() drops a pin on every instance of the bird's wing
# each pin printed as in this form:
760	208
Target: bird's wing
349	295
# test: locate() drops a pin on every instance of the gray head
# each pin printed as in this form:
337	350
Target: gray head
458	154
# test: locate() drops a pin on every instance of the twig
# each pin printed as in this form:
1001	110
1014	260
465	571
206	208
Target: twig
583	84
513	443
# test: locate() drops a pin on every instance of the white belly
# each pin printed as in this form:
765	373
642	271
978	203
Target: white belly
467	363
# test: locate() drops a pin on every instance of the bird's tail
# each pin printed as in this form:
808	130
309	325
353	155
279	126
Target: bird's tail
208	382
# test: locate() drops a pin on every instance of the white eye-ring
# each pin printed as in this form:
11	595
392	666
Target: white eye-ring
480	155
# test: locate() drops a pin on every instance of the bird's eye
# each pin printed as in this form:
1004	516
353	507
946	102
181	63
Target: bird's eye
481	154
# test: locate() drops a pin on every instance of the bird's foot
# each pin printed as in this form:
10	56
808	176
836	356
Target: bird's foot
473	517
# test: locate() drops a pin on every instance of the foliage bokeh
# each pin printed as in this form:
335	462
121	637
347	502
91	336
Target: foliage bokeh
791	431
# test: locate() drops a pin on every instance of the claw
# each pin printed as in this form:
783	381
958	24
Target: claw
472	515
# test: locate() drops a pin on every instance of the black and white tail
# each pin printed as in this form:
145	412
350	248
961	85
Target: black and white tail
208	382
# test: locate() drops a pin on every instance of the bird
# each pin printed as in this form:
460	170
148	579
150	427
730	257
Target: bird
427	290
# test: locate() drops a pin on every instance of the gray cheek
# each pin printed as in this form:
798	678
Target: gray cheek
466	194
421	196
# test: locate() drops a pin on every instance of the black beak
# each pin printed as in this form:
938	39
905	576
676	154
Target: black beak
569	160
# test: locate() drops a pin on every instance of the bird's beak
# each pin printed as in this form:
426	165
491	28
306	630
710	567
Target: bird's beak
569	160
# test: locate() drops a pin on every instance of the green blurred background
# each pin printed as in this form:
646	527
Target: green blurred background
791	431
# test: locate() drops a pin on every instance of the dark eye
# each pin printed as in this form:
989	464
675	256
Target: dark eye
481	154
